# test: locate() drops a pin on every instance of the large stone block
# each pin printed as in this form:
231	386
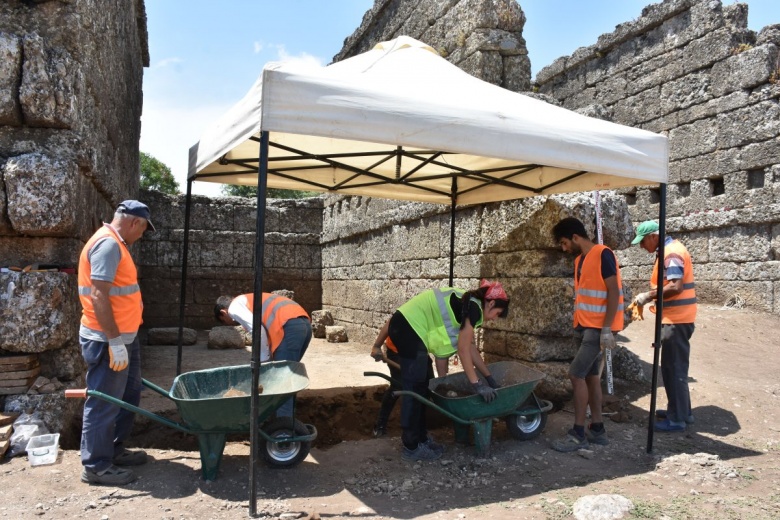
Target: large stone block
38	311
755	123
529	347
755	295
48	91
41	192
744	70
740	244
10	67
66	363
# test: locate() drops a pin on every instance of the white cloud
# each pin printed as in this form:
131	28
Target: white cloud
168	132
167	61
303	58
259	47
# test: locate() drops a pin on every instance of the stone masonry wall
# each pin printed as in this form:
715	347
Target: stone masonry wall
482	37
376	254
691	70
70	107
221	254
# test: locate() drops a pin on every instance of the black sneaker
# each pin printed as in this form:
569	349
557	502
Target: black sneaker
434	446
572	442
380	431
111	476
422	452
130	458
595	437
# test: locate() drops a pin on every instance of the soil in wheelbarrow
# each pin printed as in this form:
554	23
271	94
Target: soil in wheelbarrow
726	465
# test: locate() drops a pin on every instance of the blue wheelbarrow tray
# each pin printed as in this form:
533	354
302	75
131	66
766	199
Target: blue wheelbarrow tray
207	413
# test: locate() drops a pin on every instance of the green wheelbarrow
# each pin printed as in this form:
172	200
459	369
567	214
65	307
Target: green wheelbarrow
216	402
524	414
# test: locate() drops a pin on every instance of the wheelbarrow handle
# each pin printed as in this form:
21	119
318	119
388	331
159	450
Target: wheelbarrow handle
383	376
85	392
428	402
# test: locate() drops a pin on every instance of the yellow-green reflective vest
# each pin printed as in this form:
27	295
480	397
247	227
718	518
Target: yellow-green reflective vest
430	315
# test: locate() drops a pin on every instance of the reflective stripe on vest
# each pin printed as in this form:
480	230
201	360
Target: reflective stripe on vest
430	315
682	307
277	310
590	293
124	295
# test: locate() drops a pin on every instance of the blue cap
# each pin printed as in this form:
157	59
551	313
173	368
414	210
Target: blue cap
137	209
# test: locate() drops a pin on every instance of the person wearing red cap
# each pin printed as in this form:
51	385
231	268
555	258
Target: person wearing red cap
598	315
440	322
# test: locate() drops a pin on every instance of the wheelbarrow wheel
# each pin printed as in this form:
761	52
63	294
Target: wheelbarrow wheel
526	427
282	454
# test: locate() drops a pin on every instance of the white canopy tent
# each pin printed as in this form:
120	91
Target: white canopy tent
400	122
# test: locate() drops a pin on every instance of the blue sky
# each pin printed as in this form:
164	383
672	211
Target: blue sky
205	54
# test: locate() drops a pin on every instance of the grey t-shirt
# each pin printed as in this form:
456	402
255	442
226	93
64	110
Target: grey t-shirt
104	260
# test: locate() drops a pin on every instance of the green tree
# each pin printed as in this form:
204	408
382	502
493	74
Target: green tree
155	175
273	193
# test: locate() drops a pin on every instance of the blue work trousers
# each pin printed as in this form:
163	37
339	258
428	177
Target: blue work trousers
297	336
105	425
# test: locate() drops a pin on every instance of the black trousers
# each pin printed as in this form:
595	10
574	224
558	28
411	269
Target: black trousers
388	399
416	371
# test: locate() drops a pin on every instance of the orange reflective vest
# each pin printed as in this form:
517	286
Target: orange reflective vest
590	293
277	310
680	308
124	295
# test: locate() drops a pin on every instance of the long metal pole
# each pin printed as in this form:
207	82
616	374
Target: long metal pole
257	319
183	288
659	313
454	199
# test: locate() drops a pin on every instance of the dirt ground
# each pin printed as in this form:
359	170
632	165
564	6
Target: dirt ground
726	466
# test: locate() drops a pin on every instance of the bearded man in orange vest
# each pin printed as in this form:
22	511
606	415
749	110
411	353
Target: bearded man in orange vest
286	324
677	326
111	315
598	315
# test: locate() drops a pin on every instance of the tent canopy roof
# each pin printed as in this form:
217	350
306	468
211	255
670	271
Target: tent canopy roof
400	122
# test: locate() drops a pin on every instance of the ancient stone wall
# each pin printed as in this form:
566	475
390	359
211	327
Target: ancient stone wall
376	254
70	107
221	254
692	70
482	37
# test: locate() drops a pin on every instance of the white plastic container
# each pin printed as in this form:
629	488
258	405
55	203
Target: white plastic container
43	449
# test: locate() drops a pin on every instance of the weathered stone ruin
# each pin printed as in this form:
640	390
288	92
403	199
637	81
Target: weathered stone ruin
70	107
70	103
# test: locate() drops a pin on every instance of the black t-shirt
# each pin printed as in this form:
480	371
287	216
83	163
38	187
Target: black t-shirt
475	313
608	264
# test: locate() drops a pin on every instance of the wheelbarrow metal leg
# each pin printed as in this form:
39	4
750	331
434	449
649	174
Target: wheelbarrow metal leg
211	447
482	432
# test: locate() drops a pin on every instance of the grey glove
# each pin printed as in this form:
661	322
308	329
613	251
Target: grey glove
487	393
492	382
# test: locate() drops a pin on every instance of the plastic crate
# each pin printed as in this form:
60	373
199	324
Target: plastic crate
42	449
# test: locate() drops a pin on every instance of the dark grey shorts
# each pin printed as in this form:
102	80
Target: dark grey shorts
587	362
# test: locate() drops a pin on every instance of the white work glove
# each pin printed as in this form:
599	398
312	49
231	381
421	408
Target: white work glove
607	339
643	298
117	354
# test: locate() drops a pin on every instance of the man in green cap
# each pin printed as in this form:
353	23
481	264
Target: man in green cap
679	296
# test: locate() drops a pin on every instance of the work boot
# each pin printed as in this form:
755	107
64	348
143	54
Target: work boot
661	414
130	458
434	446
596	437
572	442
422	452
669	426
111	476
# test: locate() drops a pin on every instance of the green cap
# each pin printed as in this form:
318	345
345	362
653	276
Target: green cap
645	228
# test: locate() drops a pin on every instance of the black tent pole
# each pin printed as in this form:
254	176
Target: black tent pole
257	319
454	197
659	312
183	288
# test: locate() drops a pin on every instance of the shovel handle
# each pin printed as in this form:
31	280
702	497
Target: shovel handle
76	393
